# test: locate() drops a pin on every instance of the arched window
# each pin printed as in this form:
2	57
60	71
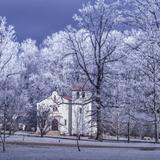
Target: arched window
65	122
83	95
78	95
80	110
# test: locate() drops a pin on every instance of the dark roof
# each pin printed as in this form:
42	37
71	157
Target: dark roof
67	98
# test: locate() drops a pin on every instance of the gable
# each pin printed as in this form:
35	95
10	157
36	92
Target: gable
54	99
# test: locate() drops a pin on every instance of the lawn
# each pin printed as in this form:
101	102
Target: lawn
29	152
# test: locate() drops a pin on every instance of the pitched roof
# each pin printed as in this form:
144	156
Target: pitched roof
67	98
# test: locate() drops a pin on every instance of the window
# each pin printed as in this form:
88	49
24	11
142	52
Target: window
65	122
80	110
83	94
55	108
54	98
78	95
55	125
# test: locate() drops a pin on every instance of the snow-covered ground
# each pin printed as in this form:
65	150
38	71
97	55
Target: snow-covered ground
106	137
18	152
71	142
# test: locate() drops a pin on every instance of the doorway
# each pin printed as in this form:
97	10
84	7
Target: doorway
55	125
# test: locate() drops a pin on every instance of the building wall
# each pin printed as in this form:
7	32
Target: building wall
81	113
64	120
74	116
61	114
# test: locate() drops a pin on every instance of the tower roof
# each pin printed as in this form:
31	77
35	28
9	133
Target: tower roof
67	98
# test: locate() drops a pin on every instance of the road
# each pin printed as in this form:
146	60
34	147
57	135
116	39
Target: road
20	152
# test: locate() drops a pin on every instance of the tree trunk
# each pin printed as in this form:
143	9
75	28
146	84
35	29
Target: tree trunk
117	128
155	107
128	126
41	133
99	135
10	131
156	129
78	138
4	134
98	100
99	127
117	134
4	143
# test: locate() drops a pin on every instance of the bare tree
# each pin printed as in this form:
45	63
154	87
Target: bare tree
43	121
94	46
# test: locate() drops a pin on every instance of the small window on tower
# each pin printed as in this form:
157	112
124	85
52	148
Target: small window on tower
78	95
65	122
80	110
83	95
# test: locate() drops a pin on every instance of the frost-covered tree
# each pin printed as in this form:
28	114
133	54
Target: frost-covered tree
95	46
60	70
9	75
150	67
144	16
30	79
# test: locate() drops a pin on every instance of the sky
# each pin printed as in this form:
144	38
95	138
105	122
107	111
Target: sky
38	18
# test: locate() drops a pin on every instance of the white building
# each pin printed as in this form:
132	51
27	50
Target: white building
69	115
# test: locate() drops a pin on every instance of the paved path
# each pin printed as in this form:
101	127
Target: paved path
15	152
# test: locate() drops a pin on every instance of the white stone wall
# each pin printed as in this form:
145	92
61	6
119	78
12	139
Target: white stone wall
81	113
62	111
80	119
64	121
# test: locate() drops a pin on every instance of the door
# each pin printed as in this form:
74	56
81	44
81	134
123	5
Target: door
55	125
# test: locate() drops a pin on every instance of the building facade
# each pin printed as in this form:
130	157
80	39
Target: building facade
69	115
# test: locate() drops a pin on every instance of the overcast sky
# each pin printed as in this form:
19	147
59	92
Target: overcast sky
39	18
